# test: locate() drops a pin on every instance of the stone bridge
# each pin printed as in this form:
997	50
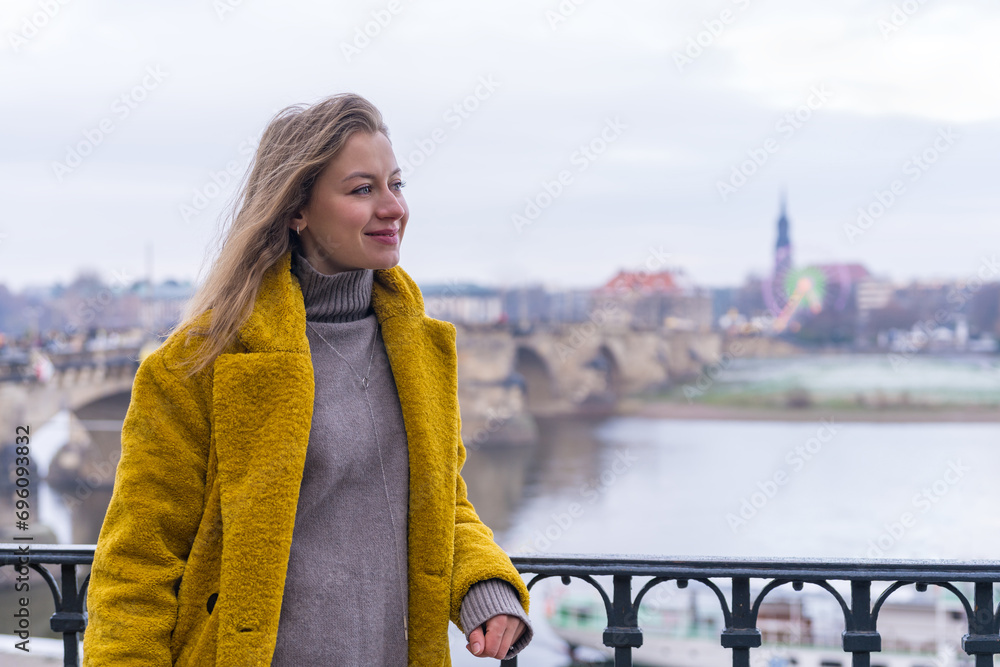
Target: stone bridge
77	379
506	379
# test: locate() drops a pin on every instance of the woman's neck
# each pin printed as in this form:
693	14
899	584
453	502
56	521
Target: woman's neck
340	297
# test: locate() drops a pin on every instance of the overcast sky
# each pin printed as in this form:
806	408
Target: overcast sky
842	104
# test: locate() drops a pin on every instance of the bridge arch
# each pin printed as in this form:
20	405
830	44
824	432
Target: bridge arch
612	385
541	394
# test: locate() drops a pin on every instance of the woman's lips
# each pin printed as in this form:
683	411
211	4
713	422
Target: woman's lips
386	238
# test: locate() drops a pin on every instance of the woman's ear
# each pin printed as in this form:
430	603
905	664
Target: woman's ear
297	220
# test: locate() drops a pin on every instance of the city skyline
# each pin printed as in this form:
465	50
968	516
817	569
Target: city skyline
783	261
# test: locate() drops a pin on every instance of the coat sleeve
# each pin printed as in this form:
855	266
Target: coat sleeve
477	556
156	506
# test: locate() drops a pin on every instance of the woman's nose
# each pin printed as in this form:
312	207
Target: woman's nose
390	206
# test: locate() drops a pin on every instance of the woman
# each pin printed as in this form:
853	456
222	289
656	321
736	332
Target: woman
289	489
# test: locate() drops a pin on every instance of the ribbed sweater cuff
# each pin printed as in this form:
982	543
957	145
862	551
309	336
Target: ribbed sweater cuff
488	598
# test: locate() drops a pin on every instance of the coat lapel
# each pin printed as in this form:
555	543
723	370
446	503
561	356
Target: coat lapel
262	409
425	379
421	353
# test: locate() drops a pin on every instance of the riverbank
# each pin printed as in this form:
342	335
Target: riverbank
898	414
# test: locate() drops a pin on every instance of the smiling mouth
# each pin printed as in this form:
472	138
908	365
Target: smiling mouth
388	237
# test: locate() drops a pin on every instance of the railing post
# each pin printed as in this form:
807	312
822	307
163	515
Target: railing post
69	617
623	633
863	638
743	635
982	640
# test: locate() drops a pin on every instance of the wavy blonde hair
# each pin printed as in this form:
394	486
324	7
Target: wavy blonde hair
297	144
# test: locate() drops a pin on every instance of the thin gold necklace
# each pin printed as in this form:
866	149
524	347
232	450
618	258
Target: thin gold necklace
392	521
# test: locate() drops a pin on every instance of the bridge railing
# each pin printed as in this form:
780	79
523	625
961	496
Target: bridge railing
118	360
739	585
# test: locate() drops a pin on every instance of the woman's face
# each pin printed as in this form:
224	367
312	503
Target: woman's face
356	213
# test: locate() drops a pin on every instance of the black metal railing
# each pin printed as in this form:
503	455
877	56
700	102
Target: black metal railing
68	594
739	603
740	609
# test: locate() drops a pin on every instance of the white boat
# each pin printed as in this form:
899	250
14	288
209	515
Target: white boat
683	628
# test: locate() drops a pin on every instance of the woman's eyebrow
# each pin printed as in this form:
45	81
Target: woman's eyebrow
363	174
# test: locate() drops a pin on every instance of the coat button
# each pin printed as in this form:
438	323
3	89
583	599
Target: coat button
211	601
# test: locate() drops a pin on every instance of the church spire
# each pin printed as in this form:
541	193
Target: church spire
783	248
783	224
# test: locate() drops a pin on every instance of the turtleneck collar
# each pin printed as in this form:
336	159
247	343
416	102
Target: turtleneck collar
340	297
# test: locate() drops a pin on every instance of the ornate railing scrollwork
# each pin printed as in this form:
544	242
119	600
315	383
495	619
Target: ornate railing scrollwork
860	637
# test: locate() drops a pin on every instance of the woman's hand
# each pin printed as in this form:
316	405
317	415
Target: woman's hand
501	631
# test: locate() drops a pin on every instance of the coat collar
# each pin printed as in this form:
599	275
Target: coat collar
278	320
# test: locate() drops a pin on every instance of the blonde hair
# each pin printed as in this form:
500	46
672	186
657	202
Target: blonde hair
297	144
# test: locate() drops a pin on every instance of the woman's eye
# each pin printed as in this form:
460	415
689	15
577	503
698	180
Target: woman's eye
366	189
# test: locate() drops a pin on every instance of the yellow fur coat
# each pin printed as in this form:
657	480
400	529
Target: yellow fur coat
190	564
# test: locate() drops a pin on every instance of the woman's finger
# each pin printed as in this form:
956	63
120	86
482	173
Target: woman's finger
476	641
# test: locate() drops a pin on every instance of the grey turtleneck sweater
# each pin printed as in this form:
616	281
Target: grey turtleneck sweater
346	589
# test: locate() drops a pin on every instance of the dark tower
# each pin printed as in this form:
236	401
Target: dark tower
783	249
775	293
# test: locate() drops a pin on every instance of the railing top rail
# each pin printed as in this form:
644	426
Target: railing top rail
677	567
49	554
804	569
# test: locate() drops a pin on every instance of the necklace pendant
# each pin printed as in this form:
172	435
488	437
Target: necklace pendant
364	382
